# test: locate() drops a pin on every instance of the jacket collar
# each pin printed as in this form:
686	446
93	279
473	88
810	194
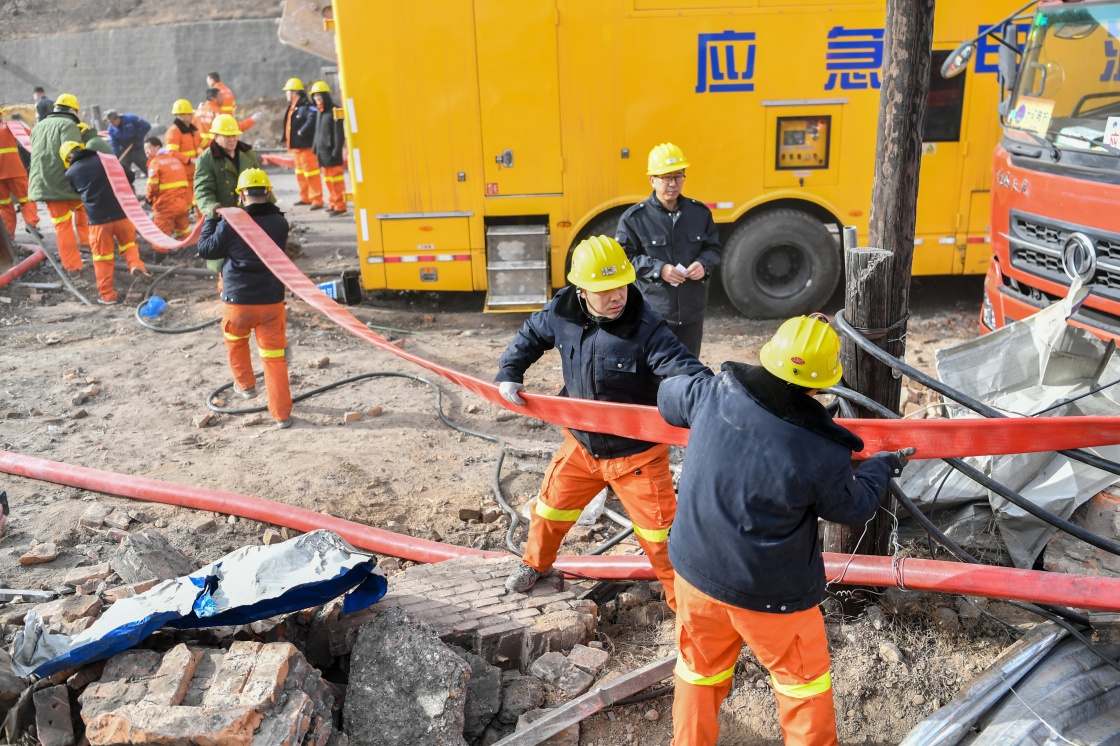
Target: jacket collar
185	128
655	202
72	117
569	307
790	403
258	209
217	152
82	153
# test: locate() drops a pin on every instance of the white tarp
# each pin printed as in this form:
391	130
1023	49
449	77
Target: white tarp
1042	367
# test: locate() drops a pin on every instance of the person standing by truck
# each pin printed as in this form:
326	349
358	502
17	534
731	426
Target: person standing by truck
764	462
299	134
329	142
613	347
674	246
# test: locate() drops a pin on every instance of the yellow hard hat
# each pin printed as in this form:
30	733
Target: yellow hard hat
67	148
599	264
182	106
665	159
83	127
252	177
225	124
804	351
293	84
68	100
320	86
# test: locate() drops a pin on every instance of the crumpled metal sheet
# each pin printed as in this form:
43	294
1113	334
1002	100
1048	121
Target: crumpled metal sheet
246	585
1034	366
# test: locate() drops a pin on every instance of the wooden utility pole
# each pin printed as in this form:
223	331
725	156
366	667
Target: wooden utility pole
877	294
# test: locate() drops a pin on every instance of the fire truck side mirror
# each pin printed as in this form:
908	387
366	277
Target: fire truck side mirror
1008	60
956	63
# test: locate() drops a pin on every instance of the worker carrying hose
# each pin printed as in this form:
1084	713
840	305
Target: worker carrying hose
764	462
13	182
613	347
254	298
108	224
169	190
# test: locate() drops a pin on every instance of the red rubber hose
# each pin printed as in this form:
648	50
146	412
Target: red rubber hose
22	267
1078	591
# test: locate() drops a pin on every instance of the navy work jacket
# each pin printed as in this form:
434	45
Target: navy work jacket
652	239
131	131
246	281
87	177
619	360
764	462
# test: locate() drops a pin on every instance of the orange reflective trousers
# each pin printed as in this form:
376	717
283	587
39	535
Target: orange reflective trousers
335	176
13	194
101	250
307	175
67	217
792	647
642	483
269	322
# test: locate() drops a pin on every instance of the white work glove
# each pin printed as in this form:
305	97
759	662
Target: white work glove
510	391
257	117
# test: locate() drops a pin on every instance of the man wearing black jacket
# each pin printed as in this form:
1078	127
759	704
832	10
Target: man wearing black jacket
299	134
613	347
107	222
330	139
254	298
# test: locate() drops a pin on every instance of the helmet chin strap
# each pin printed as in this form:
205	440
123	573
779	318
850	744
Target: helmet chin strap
587	309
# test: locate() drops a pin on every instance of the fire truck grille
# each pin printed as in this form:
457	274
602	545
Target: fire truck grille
1036	246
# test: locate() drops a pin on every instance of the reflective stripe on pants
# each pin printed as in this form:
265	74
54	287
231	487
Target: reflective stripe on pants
14	190
70	227
642	483
101	250
792	647
336	186
310	188
269	323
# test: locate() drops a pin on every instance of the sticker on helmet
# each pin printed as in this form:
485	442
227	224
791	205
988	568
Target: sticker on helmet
797	361
608	271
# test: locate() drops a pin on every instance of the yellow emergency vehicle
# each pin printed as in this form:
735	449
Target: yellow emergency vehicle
488	137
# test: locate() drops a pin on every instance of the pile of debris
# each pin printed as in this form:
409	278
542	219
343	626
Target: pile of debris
446	657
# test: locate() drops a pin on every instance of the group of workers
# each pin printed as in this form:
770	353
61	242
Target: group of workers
740	560
202	166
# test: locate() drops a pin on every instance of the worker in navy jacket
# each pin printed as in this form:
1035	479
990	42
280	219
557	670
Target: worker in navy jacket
613	347
126	135
254	298
764	462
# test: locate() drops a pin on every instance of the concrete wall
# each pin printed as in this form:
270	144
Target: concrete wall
143	70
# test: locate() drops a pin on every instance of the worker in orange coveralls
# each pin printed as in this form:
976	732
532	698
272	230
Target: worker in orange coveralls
184	141
329	144
613	347
169	190
765	460
210	108
254	298
86	175
13	183
214	80
299	137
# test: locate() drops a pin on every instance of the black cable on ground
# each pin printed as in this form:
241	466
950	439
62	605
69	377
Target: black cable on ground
988	483
167	329
886	358
1065	618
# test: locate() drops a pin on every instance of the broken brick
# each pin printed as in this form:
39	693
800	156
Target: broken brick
117	519
40	553
52	716
81	575
80	607
95	515
351	416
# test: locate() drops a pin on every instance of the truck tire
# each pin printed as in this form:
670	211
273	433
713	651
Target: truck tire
780	264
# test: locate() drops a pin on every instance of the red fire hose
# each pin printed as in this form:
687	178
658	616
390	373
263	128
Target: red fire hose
1083	592
22	267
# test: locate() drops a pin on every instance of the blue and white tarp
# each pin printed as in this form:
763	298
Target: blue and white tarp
247	585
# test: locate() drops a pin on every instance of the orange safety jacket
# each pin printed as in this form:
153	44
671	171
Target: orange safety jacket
11	167
185	146
168	186
226	99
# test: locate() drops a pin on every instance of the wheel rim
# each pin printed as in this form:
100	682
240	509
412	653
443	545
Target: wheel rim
783	271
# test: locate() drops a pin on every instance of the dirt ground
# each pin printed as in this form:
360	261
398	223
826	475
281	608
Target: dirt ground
91	386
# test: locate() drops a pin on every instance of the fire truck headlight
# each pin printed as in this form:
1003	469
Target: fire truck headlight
988	313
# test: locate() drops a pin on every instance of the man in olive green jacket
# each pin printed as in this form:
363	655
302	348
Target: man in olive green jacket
47	179
217	169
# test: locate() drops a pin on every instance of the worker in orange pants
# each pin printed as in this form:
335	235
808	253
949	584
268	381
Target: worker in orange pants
765	462
792	647
642	482
13	182
613	347
47	179
254	298
329	143
168	191
299	137
86	175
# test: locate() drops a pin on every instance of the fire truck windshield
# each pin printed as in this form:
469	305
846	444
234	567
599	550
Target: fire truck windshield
1068	86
